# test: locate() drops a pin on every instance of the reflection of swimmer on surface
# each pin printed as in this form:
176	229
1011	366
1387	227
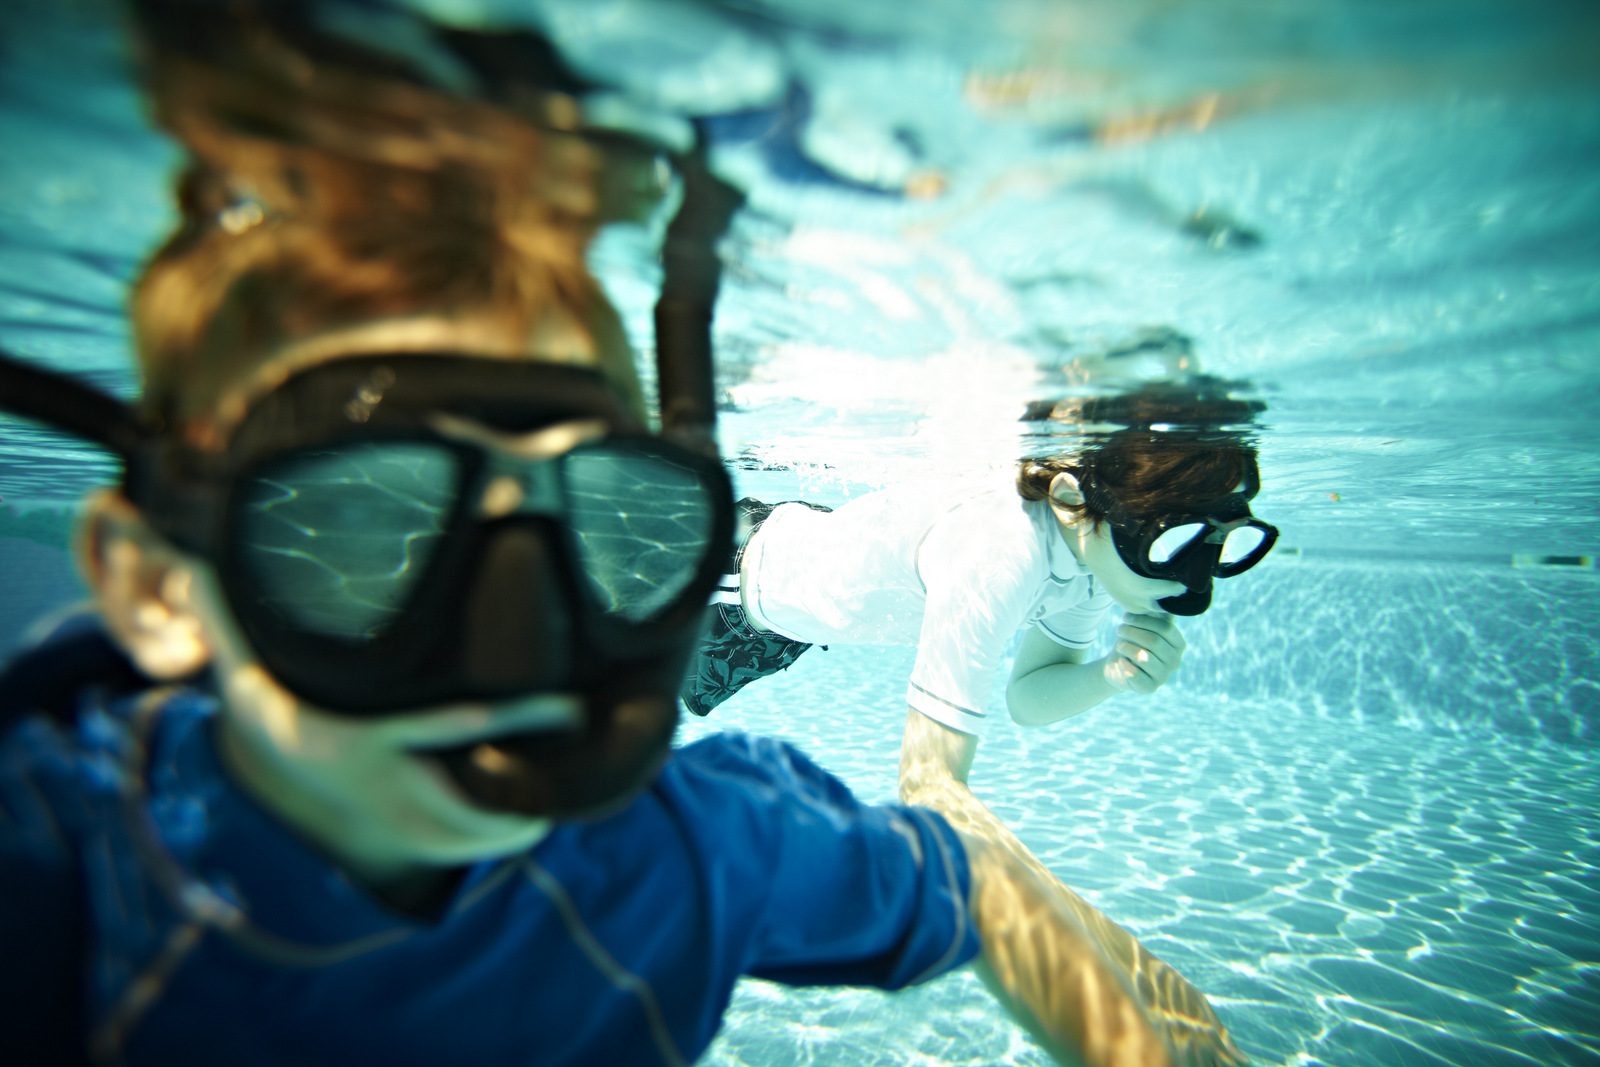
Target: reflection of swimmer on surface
252	811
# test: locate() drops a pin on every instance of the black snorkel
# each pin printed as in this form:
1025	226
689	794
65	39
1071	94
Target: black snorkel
1191	602
630	710
692	273
68	404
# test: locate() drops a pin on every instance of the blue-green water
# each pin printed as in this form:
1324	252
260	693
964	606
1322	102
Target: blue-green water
1363	817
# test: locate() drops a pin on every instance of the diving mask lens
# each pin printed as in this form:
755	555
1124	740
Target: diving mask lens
336	540
1239	546
1173	541
1238	549
642	524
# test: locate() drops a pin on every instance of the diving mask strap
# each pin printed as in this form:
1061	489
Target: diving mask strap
70	405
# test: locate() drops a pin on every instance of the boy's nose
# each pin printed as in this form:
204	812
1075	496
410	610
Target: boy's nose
518	631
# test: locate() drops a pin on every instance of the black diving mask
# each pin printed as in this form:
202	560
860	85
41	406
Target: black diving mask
1218	540
399	532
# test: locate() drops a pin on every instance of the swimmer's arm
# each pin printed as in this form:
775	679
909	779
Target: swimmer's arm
1069	975
942	748
1051	682
1037	962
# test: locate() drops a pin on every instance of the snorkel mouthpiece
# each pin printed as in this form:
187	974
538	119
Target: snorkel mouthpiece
1194	569
587	772
1193	602
520	634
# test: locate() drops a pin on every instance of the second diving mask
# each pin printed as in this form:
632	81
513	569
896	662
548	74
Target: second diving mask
1220	539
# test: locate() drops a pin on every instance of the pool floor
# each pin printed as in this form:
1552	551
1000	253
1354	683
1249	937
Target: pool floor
1345	894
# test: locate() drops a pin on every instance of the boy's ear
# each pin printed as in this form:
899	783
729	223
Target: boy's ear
1064	490
143	589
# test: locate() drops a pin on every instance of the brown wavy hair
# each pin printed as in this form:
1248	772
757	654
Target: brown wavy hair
1149	472
328	188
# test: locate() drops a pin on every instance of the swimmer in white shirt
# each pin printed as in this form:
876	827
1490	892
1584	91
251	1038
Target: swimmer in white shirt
1145	521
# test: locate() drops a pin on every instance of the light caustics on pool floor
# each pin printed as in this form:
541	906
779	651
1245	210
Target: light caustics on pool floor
1345	894
1369	836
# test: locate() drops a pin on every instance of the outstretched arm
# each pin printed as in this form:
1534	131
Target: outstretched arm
1085	988
1051	682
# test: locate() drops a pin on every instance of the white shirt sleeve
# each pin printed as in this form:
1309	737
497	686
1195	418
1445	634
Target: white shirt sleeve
980	567
1078	626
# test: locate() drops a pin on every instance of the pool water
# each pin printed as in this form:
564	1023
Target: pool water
1357	866
1363	817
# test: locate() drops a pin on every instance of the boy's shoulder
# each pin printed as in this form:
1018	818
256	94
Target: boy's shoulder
51	678
42	693
736	778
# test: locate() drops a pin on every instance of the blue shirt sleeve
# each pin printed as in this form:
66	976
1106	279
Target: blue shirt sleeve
822	888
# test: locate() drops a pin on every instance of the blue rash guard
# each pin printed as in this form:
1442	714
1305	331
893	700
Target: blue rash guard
150	913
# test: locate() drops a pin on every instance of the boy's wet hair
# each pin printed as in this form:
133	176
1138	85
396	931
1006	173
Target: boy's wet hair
1159	450
329	187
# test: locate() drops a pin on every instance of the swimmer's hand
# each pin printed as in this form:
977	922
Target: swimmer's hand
1148	649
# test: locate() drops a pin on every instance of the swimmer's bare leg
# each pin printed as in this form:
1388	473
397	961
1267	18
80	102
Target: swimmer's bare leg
1085	988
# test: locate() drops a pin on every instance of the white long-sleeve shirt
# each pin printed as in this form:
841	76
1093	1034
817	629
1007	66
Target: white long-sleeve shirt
954	574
